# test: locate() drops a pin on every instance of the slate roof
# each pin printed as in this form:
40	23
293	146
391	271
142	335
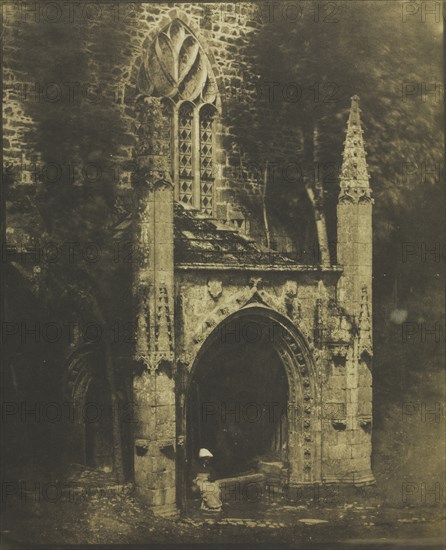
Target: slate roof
199	239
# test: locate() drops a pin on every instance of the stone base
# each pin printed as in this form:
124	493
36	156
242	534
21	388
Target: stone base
364	478
358	479
153	500
166	511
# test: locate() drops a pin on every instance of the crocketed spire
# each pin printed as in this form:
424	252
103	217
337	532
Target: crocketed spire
354	180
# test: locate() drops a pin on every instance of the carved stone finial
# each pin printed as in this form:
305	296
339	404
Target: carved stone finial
354	177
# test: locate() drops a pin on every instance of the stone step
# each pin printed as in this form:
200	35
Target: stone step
246	478
242	487
272	469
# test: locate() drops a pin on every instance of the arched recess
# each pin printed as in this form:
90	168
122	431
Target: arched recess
303	407
87	392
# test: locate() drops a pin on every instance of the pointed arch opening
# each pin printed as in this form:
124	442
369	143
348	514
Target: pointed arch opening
251	398
86	387
238	401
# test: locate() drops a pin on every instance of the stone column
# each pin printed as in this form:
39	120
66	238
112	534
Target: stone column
154	386
354	253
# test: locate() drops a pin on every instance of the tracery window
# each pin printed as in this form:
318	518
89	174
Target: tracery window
185	144
178	70
206	160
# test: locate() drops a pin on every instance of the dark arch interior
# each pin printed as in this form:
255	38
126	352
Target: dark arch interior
98	426
237	400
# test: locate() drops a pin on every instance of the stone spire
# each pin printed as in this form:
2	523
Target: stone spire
354	179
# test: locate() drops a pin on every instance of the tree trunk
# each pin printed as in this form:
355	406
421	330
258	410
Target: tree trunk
315	193
321	228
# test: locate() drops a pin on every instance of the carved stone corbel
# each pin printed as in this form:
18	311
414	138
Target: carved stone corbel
215	288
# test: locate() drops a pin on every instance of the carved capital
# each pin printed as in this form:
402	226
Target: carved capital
153	360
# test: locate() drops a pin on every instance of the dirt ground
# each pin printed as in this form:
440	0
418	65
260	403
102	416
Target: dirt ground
120	518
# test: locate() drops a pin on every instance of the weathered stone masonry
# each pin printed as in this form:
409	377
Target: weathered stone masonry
202	266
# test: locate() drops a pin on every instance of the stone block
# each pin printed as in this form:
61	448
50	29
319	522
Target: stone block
342	438
365	393
364	374
146	421
143	466
338	382
166	430
365	408
360	451
161	479
270	468
351	395
144	389
163	452
338	452
357	464
165	389
155	497
351	381
170	495
339	467
164	414
333	394
161	497
330	435
334	410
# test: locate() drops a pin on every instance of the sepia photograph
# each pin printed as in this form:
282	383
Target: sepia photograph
223	274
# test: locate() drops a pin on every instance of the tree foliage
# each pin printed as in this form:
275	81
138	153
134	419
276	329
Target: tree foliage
77	135
394	65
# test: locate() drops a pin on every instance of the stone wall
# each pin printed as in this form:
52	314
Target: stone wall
110	43
343	404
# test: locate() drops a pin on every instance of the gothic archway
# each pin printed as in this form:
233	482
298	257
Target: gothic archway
280	359
87	391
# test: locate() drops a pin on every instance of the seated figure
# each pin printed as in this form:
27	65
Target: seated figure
203	479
